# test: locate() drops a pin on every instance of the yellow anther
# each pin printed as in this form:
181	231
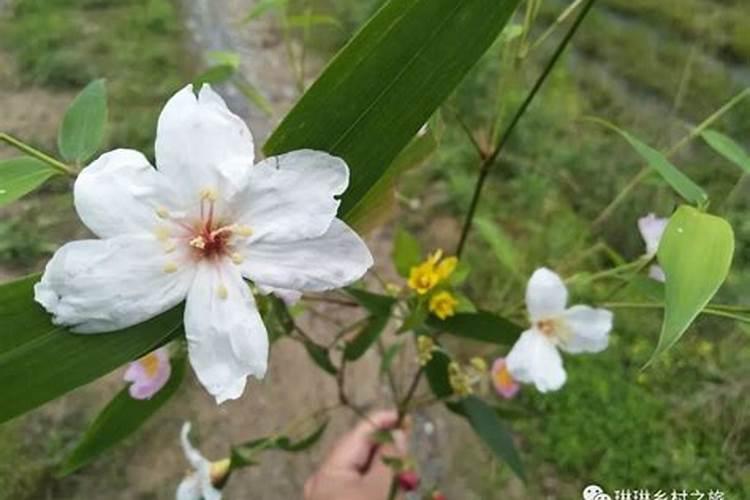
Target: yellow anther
237	258
169	246
243	230
162	212
198	242
222	292
162	233
170	267
208	194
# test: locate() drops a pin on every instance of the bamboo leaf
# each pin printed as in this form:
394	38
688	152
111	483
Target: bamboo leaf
386	83
728	148
680	182
45	361
120	418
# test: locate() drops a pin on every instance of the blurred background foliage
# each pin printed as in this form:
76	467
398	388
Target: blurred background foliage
654	67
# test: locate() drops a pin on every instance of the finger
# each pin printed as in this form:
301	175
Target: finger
352	450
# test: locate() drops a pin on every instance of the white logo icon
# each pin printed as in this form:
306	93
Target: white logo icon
595	492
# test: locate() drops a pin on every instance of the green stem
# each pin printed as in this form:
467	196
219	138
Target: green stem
487	164
21	146
710	310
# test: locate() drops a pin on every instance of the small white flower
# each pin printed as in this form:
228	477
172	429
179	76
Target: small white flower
199	482
534	359
193	229
652	228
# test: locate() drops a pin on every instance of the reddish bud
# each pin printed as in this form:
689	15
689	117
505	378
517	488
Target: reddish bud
408	480
437	495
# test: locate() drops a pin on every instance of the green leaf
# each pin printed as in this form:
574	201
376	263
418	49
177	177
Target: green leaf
407	252
121	418
728	148
244	455
483	326
485	422
387	81
19	176
416	317
696	253
680	182
436	372
376	304
356	347
285	444
320	356
379	201
263	6
213	75
45	361
502	247
309	20
83	125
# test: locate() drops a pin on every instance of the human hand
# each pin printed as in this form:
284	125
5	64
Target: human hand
354	470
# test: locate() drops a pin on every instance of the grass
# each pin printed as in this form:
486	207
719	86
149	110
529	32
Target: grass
135	44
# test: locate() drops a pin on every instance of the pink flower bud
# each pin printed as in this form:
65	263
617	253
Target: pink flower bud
408	480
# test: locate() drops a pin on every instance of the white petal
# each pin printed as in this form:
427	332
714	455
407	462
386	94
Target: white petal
106	285
290	297
120	193
227	340
335	259
189	488
292	196
196	459
587	329
652	228
534	360
546	295
657	273
200	144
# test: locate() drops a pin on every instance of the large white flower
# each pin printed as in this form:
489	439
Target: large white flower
193	229
200	483
534	359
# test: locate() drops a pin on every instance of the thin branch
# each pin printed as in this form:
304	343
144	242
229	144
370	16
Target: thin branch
57	165
492	158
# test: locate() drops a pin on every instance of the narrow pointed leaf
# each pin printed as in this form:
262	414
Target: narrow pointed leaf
82	128
356	347
696	253
493	431
680	182
320	357
120	418
436	372
728	148
45	361
482	326
407	252
385	84
20	176
376	304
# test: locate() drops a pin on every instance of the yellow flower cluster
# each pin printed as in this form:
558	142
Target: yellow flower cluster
429	274
463	379
443	304
425	348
